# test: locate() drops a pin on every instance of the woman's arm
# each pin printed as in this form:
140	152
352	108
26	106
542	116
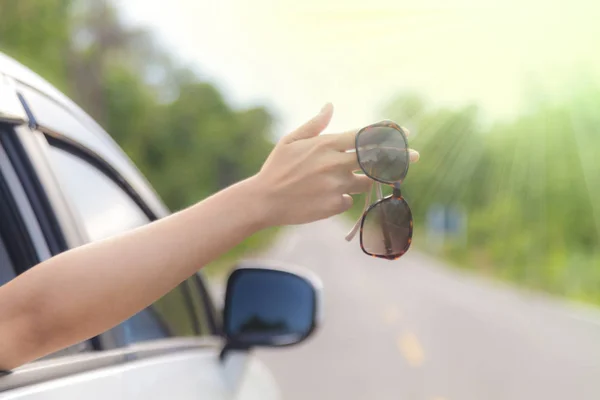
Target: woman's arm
88	290
85	291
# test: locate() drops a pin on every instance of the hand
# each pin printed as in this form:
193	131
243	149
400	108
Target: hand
308	176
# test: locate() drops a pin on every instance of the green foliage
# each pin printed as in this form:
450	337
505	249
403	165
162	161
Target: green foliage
43	48
530	188
178	130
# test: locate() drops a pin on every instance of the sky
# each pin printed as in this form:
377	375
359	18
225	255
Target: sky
295	56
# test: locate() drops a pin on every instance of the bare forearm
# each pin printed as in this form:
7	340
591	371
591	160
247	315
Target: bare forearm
85	291
94	287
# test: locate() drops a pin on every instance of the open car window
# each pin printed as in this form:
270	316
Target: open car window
7	271
105	210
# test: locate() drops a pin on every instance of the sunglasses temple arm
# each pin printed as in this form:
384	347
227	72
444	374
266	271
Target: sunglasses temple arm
356	226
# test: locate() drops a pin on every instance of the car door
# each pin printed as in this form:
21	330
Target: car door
95	192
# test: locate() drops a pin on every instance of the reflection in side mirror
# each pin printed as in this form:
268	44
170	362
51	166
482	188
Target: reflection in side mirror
268	307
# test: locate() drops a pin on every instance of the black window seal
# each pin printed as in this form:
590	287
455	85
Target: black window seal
13	232
35	192
91	157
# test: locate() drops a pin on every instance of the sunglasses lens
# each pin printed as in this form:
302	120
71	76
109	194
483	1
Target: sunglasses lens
383	153
387	229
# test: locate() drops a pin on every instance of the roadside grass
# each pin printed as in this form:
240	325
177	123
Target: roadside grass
569	274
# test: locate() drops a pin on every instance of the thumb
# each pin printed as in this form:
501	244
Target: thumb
313	127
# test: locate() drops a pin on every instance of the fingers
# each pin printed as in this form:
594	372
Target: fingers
341	141
313	127
347	202
347	140
344	203
358	184
350	159
414	155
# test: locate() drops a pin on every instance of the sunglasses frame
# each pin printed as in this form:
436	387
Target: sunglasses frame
396	195
383	124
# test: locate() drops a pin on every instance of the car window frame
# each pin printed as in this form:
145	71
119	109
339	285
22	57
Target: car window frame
29	205
36	146
23	251
103	167
139	190
135	183
38	137
47	99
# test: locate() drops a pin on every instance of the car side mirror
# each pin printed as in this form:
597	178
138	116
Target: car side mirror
269	307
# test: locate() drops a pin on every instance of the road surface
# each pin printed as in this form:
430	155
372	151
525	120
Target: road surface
414	330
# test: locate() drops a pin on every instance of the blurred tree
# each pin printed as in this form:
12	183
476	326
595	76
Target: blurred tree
530	187
179	131
44	48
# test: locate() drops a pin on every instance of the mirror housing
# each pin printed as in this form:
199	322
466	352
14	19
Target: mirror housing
268	306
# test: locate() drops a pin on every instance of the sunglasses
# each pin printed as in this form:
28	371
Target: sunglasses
386	226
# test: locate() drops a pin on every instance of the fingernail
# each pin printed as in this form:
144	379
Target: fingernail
414	155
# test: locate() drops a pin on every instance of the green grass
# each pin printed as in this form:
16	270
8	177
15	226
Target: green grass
571	274
566	273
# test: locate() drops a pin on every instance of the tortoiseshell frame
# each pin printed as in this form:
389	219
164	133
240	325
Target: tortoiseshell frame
397	194
386	124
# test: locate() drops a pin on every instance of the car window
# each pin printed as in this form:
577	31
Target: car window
105	210
19	251
199	308
7	271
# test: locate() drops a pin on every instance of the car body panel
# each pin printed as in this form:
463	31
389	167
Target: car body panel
11	109
190	374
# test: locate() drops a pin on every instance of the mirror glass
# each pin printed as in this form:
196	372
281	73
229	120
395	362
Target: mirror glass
268	307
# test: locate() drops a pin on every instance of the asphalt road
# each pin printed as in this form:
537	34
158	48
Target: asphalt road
413	329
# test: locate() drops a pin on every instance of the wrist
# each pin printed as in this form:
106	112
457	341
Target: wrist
256	203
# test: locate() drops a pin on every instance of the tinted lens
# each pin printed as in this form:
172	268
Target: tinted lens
387	228
383	153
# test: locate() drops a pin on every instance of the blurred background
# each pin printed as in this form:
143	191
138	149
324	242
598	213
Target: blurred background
498	296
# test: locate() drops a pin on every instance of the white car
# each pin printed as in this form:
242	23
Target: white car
65	182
